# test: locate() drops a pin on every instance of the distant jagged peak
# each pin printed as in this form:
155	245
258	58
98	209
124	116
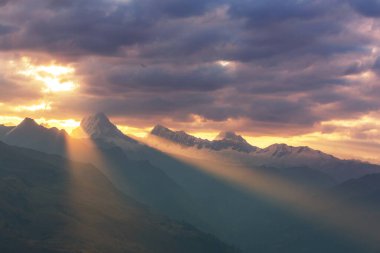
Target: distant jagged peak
179	137
160	129
29	125
98	125
28	122
231	136
282	150
30	134
225	140
286	147
229	139
98	119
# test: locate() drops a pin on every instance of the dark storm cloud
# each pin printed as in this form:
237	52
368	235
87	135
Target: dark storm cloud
3	2
178	9
370	8
98	27
376	66
288	60
262	12
153	79
6	29
79	27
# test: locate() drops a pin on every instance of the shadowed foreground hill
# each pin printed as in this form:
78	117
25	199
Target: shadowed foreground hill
48	204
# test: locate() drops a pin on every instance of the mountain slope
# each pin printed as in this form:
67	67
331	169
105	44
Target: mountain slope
136	177
150	185
4	130
364	190
49	204
249	220
253	221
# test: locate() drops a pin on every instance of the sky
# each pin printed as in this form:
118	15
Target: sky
297	71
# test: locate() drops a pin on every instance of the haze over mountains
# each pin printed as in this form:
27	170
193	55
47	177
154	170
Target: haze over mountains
49	204
152	171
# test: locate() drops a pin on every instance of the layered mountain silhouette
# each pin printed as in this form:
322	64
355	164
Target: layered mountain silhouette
178	189
49	204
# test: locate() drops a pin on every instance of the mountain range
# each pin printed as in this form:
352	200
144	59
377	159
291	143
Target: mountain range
277	155
172	187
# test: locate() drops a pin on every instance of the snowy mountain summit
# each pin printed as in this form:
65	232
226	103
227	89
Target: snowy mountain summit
225	140
99	126
284	150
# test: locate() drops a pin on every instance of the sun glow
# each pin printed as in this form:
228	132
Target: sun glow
67	124
138	132
224	63
229	65
55	78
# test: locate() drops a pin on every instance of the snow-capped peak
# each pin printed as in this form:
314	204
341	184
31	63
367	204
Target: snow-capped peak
99	126
179	137
284	150
225	140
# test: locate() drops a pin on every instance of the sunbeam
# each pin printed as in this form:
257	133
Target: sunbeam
357	223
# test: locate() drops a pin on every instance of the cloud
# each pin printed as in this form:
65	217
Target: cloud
4	2
160	79
261	12
370	8
5	29
13	91
294	63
